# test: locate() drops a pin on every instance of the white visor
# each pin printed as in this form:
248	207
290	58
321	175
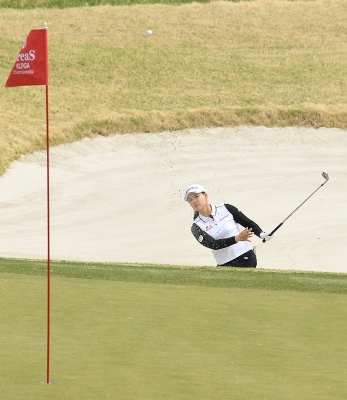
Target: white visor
195	188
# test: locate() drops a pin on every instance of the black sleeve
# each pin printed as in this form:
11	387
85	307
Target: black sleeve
243	220
208	241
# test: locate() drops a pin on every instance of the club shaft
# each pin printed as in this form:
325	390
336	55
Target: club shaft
278	226
303	202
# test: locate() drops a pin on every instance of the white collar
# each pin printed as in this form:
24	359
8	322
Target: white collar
213	210
213	213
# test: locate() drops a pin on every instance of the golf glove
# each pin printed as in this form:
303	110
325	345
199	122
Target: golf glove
266	236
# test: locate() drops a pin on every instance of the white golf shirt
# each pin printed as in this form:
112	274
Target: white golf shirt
218	232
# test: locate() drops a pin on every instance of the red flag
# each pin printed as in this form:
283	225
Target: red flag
31	66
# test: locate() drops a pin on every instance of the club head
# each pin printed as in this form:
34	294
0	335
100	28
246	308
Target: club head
325	175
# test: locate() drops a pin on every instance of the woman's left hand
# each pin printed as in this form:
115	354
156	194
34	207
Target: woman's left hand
244	236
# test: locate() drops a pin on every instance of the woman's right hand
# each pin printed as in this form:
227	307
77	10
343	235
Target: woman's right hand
244	236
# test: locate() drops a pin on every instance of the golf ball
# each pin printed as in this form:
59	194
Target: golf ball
149	32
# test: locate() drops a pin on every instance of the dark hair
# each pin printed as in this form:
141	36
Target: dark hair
196	213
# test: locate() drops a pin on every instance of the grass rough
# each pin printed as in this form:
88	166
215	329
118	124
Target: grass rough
270	63
296	281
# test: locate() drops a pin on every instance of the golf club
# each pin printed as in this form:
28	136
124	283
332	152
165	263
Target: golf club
326	177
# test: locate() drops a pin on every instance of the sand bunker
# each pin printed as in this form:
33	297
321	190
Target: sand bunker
121	198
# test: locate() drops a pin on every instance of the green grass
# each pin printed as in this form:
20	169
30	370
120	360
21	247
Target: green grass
160	332
187	276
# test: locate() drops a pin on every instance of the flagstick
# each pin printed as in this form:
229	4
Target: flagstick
37	44
48	248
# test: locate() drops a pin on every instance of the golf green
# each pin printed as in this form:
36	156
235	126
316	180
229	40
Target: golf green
133	340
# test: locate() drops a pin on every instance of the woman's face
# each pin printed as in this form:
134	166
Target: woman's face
197	201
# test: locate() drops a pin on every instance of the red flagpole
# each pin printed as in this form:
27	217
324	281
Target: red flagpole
31	68
48	247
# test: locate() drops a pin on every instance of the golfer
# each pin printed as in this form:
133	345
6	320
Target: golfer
216	227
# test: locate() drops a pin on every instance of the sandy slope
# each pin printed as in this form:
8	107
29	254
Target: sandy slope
120	198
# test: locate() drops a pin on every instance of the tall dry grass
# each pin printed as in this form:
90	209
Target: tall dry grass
29	4
262	63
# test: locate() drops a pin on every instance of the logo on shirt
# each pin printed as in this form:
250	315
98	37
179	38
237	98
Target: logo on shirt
224	216
208	227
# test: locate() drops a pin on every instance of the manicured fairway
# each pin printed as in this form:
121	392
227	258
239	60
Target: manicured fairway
117	339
